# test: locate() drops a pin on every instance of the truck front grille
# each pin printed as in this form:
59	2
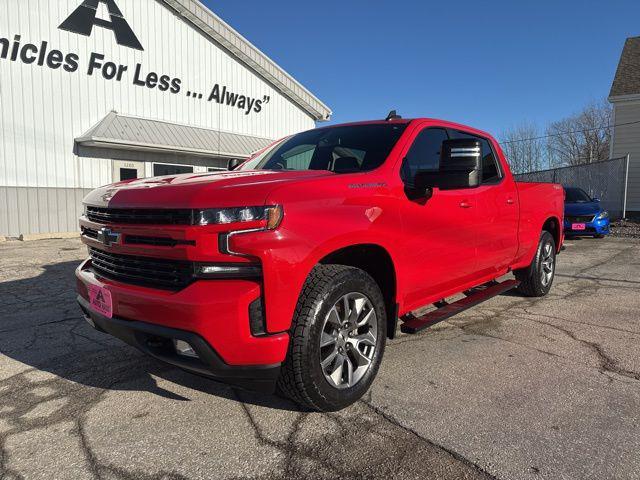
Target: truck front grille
580	219
140	216
143	271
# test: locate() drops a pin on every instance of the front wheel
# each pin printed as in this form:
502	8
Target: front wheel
337	340
536	280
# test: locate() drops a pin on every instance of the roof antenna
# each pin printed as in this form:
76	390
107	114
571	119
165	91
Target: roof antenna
393	116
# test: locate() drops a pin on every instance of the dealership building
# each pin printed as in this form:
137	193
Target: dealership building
96	91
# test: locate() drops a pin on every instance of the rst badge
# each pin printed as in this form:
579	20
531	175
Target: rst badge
84	18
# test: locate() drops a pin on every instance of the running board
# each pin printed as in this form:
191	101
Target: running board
416	324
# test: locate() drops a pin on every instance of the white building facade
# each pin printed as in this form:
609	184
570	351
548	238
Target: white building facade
625	138
96	91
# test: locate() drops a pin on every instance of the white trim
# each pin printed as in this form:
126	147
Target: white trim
127	145
228	38
625	98
612	141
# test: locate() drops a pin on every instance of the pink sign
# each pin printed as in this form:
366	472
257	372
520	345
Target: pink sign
100	300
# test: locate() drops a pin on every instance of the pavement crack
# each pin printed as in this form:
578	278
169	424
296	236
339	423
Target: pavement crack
101	470
295	452
606	362
389	418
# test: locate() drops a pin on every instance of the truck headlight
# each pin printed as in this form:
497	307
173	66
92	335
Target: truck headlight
602	215
271	215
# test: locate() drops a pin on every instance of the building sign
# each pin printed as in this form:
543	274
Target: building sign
82	21
84	18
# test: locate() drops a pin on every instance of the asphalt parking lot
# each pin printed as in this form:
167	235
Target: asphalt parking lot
513	389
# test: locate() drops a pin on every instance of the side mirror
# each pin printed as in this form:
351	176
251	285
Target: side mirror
234	163
460	162
597	200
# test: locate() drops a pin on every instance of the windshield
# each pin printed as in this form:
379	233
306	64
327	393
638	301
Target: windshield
577	195
347	149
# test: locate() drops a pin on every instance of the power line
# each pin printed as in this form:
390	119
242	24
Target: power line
607	127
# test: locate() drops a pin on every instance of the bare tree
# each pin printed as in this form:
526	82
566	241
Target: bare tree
581	138
523	148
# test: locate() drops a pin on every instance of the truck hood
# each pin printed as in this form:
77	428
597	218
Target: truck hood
206	190
585	208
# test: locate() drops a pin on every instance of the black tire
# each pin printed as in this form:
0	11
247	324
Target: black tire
599	236
302	378
532	281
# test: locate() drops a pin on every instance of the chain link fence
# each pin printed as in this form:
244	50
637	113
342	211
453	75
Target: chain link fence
606	180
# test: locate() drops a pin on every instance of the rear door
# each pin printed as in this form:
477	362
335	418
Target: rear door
497	210
439	234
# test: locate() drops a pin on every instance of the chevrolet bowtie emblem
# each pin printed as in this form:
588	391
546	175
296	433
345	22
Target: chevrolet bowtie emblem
108	237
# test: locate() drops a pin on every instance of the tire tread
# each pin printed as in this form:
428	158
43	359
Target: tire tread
530	285
294	370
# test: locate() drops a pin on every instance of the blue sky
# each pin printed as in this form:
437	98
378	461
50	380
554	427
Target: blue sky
489	64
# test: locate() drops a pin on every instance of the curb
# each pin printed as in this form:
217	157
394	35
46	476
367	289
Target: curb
48	236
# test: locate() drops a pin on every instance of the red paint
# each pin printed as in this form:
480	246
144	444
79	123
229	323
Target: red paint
456	240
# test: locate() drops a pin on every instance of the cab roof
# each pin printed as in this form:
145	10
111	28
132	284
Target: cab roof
406	121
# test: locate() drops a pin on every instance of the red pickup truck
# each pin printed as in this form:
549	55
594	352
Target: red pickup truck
291	271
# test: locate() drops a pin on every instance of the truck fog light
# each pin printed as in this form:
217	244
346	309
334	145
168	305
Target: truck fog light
233	270
184	349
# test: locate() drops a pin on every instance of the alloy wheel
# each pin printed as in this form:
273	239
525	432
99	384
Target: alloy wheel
348	340
547	264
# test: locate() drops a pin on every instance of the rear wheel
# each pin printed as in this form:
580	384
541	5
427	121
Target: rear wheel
536	280
337	339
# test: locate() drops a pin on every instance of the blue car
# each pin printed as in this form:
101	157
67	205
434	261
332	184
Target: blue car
583	215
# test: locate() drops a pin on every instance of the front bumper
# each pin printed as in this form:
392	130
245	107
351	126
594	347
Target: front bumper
214	314
156	341
596	227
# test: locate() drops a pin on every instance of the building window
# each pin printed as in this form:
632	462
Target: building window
160	169
128	174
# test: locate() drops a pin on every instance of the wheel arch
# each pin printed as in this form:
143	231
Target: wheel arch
553	226
377	262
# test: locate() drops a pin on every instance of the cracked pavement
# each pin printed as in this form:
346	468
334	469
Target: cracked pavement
515	388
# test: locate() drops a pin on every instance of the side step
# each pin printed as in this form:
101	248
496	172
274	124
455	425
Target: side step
416	324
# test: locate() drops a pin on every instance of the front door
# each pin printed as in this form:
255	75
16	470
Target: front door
439	234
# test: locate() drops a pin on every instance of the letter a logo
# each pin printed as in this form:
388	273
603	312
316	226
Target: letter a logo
83	19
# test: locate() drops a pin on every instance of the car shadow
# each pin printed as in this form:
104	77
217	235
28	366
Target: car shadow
41	326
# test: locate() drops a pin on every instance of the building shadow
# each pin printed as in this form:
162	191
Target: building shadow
42	327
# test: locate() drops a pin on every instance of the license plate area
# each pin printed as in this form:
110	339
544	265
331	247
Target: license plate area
578	226
100	300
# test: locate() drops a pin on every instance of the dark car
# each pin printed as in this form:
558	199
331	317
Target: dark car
584	215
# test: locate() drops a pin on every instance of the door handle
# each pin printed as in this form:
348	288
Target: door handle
510	201
465	204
